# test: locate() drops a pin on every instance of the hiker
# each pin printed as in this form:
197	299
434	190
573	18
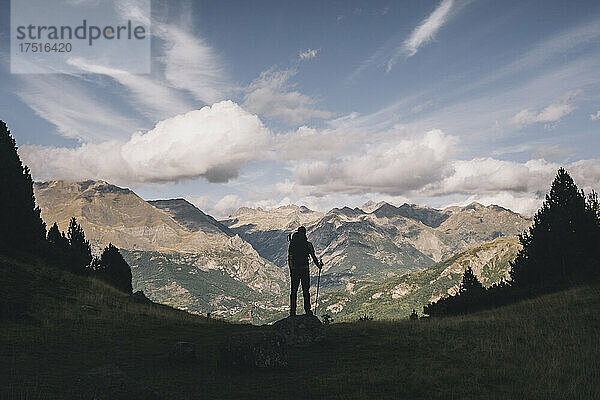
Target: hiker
298	259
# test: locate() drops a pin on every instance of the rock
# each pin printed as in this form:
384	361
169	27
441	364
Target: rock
88	308
140	297
300	330
260	349
183	351
268	346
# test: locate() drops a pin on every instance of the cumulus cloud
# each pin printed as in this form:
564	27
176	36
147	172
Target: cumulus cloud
488	175
552	113
272	95
425	32
308	54
518	186
395	168
214	143
595	117
227	205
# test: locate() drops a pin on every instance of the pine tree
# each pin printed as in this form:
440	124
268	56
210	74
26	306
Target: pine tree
470	284
561	245
113	269
22	228
59	246
80	253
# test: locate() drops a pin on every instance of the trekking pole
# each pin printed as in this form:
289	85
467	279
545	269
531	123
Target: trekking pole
318	284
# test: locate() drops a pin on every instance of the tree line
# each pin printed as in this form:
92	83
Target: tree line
559	250
24	232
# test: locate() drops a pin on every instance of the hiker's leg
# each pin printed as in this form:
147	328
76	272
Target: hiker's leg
295	278
305	290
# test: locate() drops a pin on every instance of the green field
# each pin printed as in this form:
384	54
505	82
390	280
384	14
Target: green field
58	330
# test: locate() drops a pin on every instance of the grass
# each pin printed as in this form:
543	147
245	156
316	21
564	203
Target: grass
545	348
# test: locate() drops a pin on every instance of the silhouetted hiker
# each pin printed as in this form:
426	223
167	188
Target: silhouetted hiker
299	251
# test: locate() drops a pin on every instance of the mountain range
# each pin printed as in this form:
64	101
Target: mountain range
236	267
362	246
178	255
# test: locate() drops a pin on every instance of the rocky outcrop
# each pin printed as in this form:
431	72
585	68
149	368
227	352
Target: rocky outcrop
299	330
268	346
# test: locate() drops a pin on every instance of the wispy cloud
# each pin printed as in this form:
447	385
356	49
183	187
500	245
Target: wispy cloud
152	96
308	54
595	117
272	95
192	65
424	33
76	111
552	113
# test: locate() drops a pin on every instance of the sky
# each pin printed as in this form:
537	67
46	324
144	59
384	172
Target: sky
327	104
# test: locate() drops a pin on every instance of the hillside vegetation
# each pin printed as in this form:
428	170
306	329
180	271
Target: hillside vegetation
62	336
395	297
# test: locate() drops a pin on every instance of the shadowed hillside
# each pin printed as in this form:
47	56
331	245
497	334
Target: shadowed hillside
77	337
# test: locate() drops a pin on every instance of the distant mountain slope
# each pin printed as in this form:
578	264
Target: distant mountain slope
161	240
428	216
190	217
397	296
357	248
267	230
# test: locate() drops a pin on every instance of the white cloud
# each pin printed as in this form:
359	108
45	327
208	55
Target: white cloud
595	117
395	168
213	142
481	176
227	205
518	186
308	54
272	95
425	32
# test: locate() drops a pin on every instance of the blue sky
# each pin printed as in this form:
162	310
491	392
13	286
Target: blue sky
328	104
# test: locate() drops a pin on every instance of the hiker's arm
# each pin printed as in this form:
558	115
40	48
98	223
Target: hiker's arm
313	255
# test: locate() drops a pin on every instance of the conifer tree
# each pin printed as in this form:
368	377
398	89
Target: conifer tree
561	245
80	253
21	228
59	246
113	269
470	284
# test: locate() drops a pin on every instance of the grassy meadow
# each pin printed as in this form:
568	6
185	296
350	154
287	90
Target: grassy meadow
57	329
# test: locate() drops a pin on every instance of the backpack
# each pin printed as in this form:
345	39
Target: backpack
298	250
